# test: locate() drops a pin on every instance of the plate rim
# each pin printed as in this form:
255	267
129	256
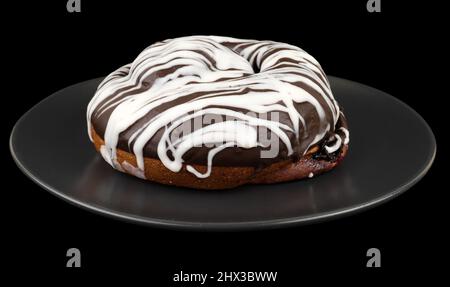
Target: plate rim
230	226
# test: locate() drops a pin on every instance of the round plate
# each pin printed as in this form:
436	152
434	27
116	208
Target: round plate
391	148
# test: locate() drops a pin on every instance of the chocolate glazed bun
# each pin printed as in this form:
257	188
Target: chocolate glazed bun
216	112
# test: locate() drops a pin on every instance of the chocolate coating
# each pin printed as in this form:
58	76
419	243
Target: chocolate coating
176	78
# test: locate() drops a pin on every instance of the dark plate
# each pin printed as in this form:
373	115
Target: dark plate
391	148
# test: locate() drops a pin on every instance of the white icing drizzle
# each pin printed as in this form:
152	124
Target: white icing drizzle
131	169
336	145
195	64
106	156
310	175
109	159
347	135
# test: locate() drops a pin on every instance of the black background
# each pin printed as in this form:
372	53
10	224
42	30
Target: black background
396	51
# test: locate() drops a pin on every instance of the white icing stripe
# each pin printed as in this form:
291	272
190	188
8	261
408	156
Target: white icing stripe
179	68
336	145
347	135
241	134
105	154
211	155
131	169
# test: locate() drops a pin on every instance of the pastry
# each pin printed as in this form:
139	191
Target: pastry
213	112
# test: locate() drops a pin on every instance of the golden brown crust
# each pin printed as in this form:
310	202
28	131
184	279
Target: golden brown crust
228	177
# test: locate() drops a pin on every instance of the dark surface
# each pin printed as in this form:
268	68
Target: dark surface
400	51
379	166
